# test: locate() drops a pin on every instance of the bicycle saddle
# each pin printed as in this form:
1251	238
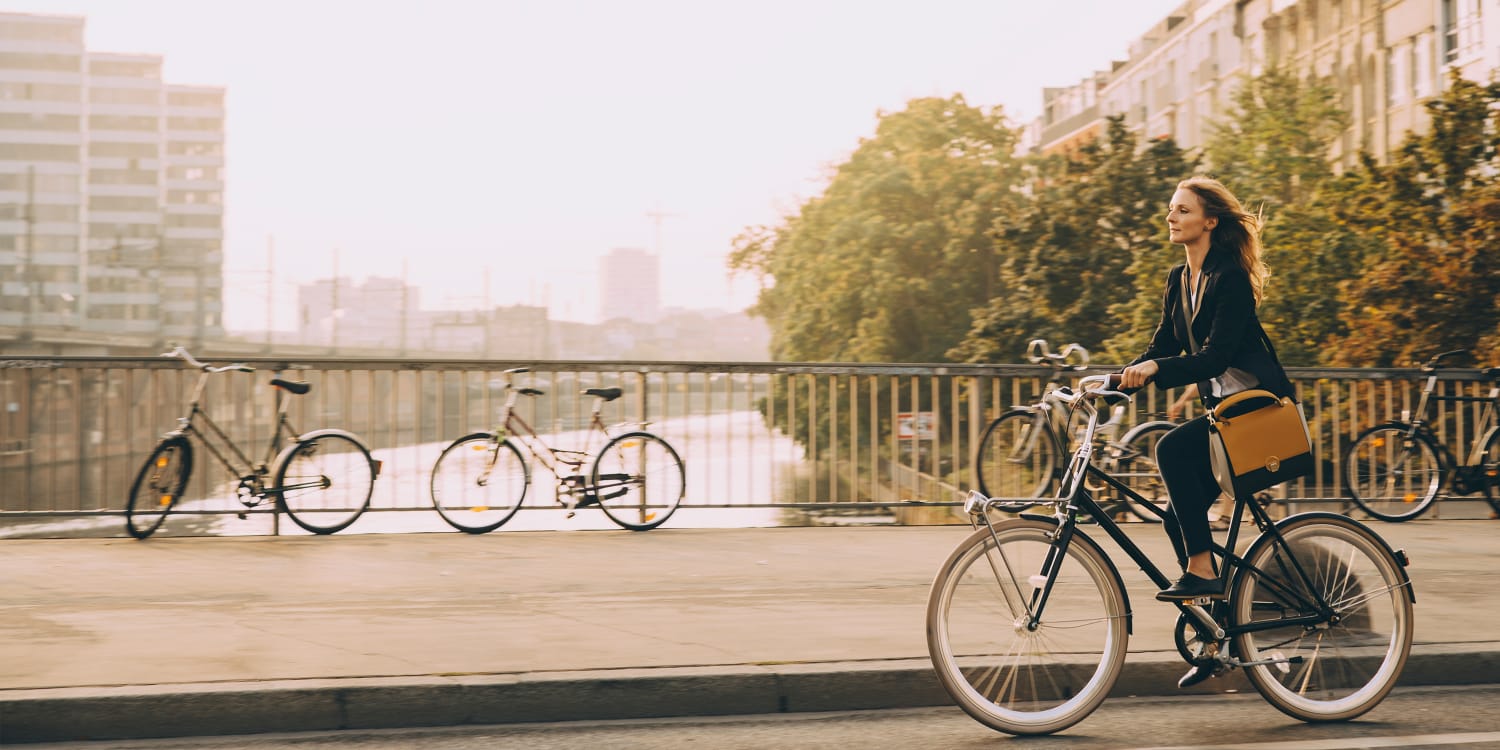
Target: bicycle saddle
608	394
530	391
291	386
1492	372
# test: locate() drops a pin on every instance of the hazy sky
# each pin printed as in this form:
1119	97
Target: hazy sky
530	138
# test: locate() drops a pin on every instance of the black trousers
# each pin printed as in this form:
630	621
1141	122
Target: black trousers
1182	458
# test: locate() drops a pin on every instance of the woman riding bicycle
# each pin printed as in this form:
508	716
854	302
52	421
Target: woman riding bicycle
1209	335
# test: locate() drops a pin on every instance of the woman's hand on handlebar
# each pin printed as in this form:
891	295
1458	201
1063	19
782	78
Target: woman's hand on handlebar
1138	375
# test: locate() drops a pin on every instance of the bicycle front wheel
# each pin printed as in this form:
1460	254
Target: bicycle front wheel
1018	456
1392	474
478	482
1003	669
1136	468
638	481
325	483
158	486
1329	666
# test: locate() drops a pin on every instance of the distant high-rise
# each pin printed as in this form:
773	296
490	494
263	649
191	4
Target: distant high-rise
630	286
111	189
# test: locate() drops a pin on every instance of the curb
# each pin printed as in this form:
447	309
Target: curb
211	709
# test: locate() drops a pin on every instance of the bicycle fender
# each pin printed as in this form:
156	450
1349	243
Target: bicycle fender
1079	536
1400	556
286	453
1145	427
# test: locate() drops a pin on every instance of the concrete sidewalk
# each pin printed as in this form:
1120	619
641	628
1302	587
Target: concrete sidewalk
118	638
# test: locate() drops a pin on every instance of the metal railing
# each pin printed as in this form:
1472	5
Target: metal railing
780	443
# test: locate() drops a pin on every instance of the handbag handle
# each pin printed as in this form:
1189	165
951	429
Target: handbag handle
1231	400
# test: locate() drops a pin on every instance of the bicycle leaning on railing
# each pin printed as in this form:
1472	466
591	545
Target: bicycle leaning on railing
480	480
1028	619
1022	452
1396	470
322	479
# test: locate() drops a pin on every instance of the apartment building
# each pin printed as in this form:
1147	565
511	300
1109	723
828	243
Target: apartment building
112	186
1385	58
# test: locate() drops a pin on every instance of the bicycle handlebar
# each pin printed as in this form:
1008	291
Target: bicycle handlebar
1037	351
184	355
1103	387
1431	364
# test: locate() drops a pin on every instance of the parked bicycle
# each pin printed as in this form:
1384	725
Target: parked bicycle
1028	619
1021	453
1396	470
481	479
322	480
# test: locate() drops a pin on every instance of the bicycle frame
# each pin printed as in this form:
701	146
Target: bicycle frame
513	425
1075	500
1482	431
246	470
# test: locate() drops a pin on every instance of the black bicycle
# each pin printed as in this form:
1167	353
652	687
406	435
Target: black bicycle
321	479
1028	619
1396	470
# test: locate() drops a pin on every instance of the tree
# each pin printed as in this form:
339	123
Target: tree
1272	149
885	264
1434	281
1067	277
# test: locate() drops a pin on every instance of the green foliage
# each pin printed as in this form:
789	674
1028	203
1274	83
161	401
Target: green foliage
1096	216
1433	281
933	243
886	263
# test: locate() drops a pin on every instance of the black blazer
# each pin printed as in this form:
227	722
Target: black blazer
1225	329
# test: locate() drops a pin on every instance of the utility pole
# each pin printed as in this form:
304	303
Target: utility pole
405	306
270	288
489	313
334	309
30	280
657	217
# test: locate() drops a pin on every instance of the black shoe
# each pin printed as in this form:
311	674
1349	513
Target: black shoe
1196	675
1190	586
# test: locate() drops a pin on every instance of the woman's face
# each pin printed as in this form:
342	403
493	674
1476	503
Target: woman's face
1186	223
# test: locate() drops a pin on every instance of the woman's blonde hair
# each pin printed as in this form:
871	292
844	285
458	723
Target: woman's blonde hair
1238	231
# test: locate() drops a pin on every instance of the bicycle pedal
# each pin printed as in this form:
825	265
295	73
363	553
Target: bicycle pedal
570	514
1201	601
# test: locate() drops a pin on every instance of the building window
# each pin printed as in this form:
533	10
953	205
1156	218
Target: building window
125	150
1461	30
194	123
1398	83
37	152
194	99
102	95
124	122
1422	77
40	61
125	68
192	148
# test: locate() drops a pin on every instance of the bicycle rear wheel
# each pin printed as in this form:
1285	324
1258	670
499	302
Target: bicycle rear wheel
1004	672
1017	457
478	482
326	482
158	486
1491	470
1391	474
638	481
1326	669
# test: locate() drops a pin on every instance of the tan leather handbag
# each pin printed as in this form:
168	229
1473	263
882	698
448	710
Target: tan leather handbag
1257	440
